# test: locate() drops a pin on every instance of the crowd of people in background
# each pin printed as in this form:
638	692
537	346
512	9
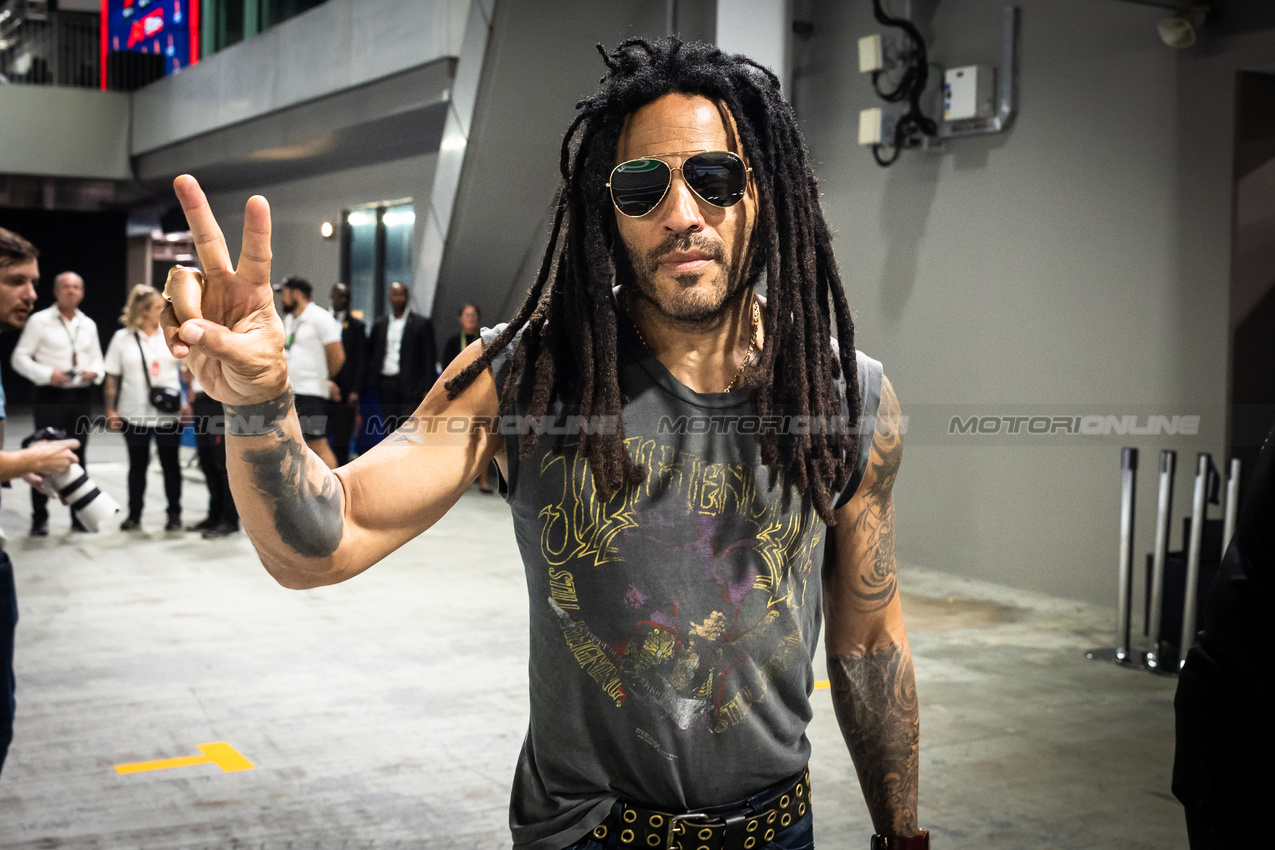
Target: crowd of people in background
149	397
334	362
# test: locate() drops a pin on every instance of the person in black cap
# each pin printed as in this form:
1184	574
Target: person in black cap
312	339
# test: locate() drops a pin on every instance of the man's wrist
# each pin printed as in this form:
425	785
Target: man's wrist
920	841
260	418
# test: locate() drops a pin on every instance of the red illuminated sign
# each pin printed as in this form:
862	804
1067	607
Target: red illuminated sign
166	27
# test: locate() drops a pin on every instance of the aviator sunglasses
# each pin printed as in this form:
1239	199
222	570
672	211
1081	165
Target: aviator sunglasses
638	186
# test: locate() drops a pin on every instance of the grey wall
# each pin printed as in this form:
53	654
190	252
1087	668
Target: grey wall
64	132
1079	262
298	207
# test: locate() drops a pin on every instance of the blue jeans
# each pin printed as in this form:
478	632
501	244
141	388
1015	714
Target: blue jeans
8	622
799	836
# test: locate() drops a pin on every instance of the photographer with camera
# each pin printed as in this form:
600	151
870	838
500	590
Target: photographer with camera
143	399
19	272
59	351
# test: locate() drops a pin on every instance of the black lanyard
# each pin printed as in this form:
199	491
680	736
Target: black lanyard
146	367
75	359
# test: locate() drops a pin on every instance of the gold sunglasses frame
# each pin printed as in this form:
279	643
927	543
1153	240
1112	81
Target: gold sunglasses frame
678	168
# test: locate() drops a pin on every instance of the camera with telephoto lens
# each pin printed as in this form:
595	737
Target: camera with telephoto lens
75	488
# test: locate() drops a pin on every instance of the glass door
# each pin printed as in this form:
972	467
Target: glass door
376	250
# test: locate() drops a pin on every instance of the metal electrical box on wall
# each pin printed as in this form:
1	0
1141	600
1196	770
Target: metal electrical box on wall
969	92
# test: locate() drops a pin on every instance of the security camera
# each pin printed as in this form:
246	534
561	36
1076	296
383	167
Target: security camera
1182	30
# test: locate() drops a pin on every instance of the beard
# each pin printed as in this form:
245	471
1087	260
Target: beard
12	323
696	300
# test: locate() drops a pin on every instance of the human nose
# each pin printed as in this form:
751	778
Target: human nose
682	213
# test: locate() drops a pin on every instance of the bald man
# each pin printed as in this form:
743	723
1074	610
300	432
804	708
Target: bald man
401	365
60	352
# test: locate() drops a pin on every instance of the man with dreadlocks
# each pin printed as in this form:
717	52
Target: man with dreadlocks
689	489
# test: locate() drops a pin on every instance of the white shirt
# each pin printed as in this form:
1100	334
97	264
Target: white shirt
307	335
124	360
50	343
393	344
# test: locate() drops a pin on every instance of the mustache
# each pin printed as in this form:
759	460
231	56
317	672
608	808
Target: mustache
686	242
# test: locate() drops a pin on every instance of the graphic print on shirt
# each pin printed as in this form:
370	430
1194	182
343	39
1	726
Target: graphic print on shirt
702	627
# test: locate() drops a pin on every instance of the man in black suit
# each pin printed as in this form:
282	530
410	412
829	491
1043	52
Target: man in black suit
343	388
402	362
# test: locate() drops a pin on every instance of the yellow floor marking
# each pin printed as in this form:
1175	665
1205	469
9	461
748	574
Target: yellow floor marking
822	685
220	753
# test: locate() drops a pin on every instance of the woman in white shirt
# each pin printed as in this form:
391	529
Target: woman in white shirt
138	360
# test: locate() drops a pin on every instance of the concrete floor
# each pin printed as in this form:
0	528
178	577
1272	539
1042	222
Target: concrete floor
388	712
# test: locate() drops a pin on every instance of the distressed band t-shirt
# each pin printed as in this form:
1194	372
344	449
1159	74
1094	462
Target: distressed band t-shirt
673	625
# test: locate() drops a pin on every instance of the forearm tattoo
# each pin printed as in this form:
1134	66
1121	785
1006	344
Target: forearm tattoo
303	494
260	419
877	583
874	695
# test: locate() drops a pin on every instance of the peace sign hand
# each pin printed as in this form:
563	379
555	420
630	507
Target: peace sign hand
226	327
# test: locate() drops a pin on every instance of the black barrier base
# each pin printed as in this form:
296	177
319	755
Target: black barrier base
1167	663
1109	654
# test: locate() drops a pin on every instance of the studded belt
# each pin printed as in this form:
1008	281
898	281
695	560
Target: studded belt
743	829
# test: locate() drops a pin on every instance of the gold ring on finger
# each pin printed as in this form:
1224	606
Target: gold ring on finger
168	282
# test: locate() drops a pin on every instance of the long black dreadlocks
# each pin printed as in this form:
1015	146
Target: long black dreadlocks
568	352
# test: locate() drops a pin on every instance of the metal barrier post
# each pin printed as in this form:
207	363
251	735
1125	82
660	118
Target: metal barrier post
1129	481
1232	505
1168	465
1199	509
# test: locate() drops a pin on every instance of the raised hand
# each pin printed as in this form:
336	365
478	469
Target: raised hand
226	328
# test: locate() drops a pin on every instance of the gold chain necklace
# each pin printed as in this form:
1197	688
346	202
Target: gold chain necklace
748	356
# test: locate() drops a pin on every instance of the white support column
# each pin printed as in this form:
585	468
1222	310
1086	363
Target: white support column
759	29
436	217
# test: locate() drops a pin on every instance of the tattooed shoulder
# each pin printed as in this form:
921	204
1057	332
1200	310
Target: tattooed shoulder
887	441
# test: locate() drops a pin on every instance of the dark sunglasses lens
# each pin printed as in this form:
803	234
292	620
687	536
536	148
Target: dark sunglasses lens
638	185
716	176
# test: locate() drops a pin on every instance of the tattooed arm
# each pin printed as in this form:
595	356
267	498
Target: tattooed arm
310	525
869	662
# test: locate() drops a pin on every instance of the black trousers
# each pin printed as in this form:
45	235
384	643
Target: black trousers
67	410
397	403
341	429
1225	744
168	438
8	623
210	446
